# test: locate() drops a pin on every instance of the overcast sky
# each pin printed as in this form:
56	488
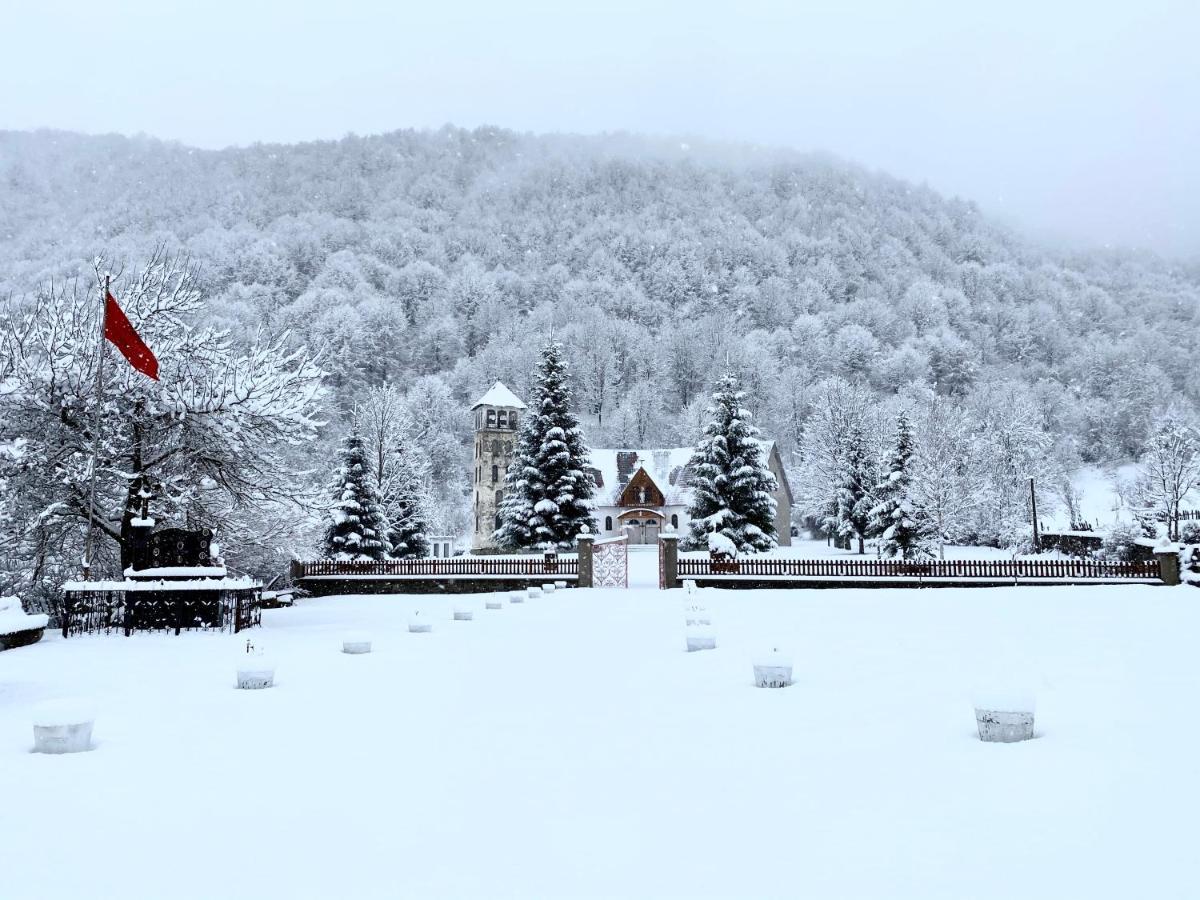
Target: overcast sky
1078	120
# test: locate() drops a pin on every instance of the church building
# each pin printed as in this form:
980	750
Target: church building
638	492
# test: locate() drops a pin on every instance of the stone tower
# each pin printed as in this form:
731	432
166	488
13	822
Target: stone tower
497	419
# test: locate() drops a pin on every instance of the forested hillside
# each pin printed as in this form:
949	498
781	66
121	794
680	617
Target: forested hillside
439	261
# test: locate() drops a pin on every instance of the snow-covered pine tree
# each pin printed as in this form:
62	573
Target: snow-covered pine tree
356	529
731	483
547	491
404	499
894	519
854	502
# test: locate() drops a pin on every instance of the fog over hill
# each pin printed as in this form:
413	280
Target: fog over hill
440	260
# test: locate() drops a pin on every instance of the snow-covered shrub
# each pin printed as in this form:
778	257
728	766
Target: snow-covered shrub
1120	541
1189	533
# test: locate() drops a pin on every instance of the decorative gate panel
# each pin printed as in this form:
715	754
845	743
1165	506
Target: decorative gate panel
610	563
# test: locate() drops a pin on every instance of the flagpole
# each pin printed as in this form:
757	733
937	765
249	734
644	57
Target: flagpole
96	420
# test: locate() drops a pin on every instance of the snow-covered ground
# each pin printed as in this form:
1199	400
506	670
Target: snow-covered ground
569	747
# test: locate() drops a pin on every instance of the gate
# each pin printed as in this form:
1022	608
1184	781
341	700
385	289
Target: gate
610	563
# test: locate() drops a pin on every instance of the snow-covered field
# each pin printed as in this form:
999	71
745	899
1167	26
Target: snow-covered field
569	747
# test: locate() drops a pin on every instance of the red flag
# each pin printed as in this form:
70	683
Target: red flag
121	333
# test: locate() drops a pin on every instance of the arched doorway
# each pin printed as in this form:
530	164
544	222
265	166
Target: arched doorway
641	525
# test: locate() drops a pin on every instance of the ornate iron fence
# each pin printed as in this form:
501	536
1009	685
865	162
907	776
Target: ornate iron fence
109	611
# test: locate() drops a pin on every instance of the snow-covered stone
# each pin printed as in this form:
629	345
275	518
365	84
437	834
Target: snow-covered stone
255	673
1005	716
697	615
548	588
700	638
463	614
356	642
419	624
493	602
560	585
773	670
63	726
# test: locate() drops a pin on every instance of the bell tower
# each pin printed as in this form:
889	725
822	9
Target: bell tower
498	415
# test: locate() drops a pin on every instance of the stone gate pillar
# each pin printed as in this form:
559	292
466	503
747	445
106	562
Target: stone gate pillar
584	543
668	561
1168	567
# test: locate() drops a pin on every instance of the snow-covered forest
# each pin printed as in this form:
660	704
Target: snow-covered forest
434	263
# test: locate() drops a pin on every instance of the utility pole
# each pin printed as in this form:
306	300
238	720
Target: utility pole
1037	544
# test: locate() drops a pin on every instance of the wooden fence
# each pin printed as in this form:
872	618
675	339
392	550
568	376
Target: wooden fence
964	570
455	567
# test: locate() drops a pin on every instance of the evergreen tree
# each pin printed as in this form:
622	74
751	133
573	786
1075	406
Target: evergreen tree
547	491
403	497
356	530
854	488
894	518
731	482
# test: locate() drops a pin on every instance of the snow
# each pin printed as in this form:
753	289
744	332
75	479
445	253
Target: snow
177	572
144	584
13	617
499	395
721	544
571	748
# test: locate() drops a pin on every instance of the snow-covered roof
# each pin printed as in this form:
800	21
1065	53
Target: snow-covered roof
668	468
499	395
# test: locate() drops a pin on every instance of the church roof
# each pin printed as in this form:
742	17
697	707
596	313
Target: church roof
499	395
669	468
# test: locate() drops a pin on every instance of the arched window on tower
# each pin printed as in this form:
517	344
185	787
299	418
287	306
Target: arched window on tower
499	497
491	418
512	421
674	520
608	523
495	474
502	419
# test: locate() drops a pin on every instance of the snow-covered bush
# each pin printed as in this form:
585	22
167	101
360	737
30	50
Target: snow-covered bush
1189	532
1120	541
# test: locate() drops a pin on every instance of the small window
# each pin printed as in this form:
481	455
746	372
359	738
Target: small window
491	418
499	497
502	419
674	521
497	528
495	474
608	523
435	550
512	421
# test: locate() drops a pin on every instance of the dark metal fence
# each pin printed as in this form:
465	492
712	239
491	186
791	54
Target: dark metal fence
109	611
459	566
965	570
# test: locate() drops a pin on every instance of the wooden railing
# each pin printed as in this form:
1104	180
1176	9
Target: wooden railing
966	569
459	566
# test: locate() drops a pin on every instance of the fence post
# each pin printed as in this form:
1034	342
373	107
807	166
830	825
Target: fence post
1168	567
584	544
668	561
